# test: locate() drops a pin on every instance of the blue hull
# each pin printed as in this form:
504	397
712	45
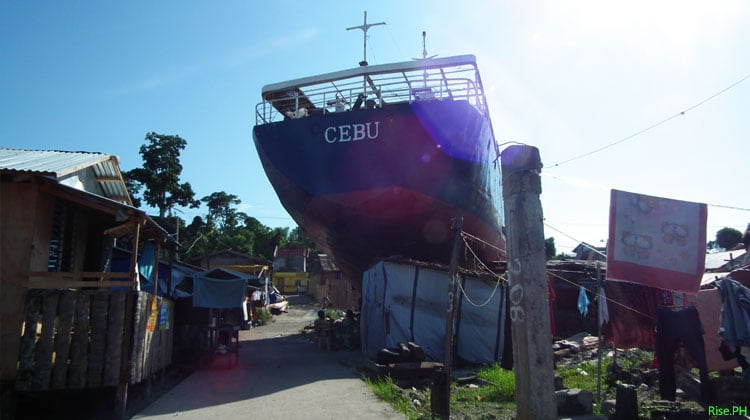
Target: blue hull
369	184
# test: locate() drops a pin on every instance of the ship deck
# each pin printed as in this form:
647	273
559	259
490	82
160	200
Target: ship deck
449	78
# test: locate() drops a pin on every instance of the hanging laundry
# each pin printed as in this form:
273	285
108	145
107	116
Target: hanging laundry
657	242
735	312
603	308
583	302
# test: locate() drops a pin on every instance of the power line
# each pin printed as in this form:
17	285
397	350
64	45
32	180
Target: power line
605	188
679	114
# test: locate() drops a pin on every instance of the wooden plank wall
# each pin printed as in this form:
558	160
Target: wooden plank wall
73	339
152	347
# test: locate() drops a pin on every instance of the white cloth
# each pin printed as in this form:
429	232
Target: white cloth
603	308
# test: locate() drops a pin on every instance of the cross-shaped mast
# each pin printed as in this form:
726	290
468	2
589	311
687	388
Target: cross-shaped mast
364	29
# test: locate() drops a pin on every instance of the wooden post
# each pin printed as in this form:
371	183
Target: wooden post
527	278
442	407
134	272
157	253
599	333
121	393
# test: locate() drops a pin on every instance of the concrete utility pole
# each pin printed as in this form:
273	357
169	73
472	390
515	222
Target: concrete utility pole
527	278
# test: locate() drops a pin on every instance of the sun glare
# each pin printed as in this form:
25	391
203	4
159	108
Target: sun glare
646	24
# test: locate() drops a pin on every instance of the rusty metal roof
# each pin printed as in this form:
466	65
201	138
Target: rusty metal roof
326	263
59	164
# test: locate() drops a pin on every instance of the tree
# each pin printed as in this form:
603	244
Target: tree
265	238
220	211
728	238
298	238
549	248
160	174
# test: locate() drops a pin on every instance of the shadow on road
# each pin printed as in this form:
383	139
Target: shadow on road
277	365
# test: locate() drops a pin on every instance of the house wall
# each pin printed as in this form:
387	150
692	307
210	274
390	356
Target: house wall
18	215
43	220
26	224
339	291
84	180
226	260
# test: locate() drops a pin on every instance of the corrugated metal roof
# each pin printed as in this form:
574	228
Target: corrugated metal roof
58	163
717	260
53	162
326	263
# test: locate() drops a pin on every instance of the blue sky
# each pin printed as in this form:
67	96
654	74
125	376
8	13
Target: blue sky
567	77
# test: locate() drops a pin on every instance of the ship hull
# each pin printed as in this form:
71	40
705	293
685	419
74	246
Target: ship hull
371	184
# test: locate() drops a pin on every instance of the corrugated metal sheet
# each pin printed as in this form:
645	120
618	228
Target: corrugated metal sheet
59	163
721	260
326	263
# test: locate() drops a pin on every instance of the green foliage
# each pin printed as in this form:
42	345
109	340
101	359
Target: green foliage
222	227
263	315
299	239
504	381
727	238
221	215
579	375
160	174
549	248
498	385
387	390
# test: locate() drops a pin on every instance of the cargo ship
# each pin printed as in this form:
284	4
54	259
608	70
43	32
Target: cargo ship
375	161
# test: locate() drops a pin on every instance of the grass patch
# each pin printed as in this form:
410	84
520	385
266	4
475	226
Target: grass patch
263	315
387	390
492	394
499	385
581	376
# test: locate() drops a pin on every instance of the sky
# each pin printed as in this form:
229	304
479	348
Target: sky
650	97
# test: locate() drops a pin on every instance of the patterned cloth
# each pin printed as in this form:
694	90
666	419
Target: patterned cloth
657	242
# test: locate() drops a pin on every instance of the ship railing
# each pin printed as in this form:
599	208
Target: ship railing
370	91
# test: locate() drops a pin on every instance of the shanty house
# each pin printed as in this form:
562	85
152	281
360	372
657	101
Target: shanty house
232	260
67	322
327	282
290	273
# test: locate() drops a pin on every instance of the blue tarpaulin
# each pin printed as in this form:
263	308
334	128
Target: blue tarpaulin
218	293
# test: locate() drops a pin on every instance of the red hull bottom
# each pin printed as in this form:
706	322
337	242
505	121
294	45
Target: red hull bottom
360	228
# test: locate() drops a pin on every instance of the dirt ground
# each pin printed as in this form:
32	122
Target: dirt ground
285	328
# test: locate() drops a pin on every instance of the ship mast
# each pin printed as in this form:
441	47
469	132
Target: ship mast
364	27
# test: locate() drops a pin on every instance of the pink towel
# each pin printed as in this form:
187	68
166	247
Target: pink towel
657	242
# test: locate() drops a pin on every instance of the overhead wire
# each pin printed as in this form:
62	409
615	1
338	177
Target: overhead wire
576	240
606	298
602	187
550	272
652	126
498	278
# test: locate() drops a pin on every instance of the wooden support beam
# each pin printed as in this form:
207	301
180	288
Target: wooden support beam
74	280
527	278
135	279
441	407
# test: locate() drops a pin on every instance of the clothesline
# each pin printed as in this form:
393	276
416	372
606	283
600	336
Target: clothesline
464	235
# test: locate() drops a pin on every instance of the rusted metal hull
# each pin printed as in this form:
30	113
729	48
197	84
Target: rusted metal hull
371	184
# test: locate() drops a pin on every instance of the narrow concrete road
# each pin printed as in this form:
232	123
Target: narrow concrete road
280	375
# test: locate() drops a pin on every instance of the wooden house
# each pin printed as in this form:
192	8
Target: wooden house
232	260
67	322
290	274
327	282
